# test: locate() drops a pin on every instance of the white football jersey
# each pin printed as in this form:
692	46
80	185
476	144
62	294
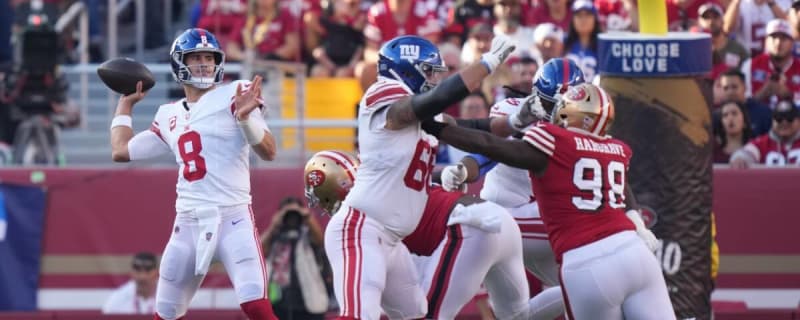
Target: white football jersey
505	185
392	182
212	155
752	27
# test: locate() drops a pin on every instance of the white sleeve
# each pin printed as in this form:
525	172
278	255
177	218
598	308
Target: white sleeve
507	107
114	304
145	145
746	68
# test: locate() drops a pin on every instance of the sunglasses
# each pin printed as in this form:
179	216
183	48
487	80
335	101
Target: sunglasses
143	266
780	118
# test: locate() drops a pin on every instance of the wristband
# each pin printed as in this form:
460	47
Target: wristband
122	121
253	133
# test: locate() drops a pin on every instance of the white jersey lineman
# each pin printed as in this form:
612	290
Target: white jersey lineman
511	188
214	219
372	268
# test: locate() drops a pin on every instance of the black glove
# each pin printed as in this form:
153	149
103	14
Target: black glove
433	127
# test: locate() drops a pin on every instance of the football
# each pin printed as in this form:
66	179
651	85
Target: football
122	74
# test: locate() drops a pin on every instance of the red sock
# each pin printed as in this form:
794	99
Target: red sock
260	309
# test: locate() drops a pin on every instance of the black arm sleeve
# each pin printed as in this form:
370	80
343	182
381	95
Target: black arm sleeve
477	124
428	104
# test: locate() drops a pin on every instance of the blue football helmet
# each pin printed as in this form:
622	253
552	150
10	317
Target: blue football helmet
554	78
412	60
196	40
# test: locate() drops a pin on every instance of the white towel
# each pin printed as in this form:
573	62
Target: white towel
471	215
208	223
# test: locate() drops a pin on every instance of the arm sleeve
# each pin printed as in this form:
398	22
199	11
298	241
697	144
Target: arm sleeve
484	163
539	137
145	145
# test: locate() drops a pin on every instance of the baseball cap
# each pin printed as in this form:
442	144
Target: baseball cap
785	110
710	6
547	30
779	26
583	5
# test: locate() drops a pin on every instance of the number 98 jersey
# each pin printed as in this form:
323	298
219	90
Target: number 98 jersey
393	180
211	152
581	194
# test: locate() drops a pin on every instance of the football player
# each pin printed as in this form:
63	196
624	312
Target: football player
511	187
394	177
578	176
466	241
210	132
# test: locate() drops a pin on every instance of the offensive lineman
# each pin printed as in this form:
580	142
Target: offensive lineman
371	266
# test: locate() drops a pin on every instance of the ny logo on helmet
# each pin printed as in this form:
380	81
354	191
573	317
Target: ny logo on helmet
409	52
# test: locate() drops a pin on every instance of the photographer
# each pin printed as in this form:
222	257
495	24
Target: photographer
296	261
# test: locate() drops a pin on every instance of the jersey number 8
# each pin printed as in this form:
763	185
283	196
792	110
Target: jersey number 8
194	165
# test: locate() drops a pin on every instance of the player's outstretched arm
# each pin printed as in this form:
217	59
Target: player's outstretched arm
451	90
122	125
515	153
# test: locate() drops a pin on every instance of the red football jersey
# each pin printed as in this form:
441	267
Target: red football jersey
768	150
433	225
761	69
382	26
267	36
581	194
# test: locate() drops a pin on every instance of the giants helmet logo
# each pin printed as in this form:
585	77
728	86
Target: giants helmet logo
315	178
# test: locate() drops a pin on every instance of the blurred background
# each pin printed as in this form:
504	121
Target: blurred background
79	234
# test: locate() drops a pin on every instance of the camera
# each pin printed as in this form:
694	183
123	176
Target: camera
292	219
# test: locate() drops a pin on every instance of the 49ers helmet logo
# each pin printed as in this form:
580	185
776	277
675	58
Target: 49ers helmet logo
315	178
577	93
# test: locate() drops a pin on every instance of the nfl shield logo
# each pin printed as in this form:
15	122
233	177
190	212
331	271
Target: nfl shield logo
208	236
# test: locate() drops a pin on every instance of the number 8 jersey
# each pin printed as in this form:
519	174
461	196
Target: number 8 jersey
209	148
392	182
581	194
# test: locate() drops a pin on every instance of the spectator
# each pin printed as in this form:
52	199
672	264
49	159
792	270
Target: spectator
391	18
727	52
138	295
220	17
618	15
746	19
779	147
731	130
520	81
548	43
270	30
509	23
581	42
732	88
478	43
293	248
474	106
464	15
550	11
341	42
6	20
794	19
452	59
682	14
775	74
